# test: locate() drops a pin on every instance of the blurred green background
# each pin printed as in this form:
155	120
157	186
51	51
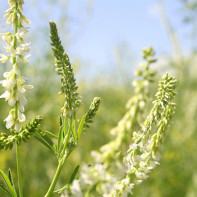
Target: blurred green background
105	68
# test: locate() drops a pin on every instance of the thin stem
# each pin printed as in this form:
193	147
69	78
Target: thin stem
56	177
18	170
67	137
64	156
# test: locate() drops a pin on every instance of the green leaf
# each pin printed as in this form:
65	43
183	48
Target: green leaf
8	183
51	134
60	121
44	142
11	179
5	190
81	124
60	140
74	174
47	139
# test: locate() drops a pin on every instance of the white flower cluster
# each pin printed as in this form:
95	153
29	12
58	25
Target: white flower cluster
108	175
114	173
91	177
143	155
121	188
76	190
14	82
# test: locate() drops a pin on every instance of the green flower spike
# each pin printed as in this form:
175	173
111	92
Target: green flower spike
65	71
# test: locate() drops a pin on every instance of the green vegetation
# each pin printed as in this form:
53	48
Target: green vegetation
111	134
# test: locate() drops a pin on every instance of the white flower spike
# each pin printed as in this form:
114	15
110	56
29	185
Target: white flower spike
16	48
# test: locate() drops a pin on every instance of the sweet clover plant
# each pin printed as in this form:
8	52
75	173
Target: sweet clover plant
118	166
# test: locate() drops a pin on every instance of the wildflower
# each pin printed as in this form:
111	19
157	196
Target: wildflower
76	189
6	141
143	155
121	189
3	58
10	119
14	82
111	179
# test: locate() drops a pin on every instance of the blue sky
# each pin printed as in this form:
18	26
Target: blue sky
110	23
136	22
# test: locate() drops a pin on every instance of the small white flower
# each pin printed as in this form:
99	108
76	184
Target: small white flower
12	101
6	38
24	59
22	100
76	189
5	95
4	58
21	117
10	119
23	48
28	87
156	155
133	146
21	32
21	108
9	83
25	20
137	182
17	126
152	165
141	175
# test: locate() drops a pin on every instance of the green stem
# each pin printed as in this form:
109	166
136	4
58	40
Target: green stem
64	156
18	170
67	137
56	177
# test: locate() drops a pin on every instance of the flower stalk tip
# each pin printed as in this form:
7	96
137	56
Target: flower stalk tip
65	71
92	111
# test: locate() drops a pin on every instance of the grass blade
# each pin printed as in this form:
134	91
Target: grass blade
44	142
65	127
81	124
51	134
47	139
60	140
8	183
74	174
5	190
11	178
